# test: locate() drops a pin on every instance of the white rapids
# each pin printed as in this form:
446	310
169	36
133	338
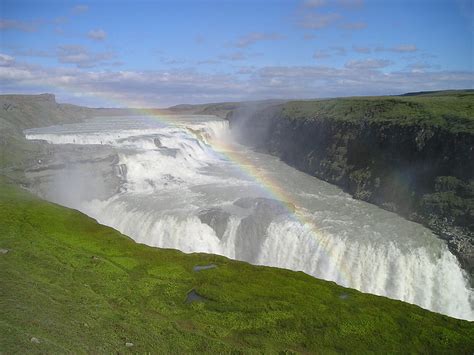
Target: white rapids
174	186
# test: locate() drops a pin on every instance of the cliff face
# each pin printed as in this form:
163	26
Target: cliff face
421	170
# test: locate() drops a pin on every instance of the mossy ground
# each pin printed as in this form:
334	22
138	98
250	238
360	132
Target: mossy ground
78	286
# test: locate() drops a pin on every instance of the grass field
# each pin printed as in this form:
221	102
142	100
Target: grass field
451	110
68	284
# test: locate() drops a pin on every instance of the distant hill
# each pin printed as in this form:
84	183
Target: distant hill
439	93
222	109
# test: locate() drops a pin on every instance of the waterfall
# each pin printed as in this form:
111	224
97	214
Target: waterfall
178	192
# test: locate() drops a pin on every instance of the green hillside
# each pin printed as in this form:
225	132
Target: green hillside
69	284
451	110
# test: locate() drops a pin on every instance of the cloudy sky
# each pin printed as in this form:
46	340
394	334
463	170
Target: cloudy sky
160	53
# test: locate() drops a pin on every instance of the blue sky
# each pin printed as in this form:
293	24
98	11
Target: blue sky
159	53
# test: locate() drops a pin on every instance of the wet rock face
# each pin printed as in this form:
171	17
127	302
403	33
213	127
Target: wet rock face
215	218
460	244
252	230
157	142
464	246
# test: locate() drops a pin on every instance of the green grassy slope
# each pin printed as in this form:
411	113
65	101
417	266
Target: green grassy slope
77	286
451	110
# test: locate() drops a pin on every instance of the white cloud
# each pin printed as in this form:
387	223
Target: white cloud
30	52
418	67
318	21
208	62
402	48
337	50
82	57
97	35
321	3
359	49
78	9
368	64
234	56
329	52
405	48
351	3
60	20
6	60
162	88
353	26
314	3
246	70
311	15
255	37
309	36
171	61
6	24
321	54
200	39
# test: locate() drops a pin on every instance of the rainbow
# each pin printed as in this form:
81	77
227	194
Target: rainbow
275	191
270	187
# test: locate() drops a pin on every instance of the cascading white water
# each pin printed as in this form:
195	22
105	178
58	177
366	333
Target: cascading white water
176	191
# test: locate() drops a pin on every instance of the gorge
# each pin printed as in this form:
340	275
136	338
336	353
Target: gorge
182	182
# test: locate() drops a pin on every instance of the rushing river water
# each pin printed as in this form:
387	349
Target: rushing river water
181	182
